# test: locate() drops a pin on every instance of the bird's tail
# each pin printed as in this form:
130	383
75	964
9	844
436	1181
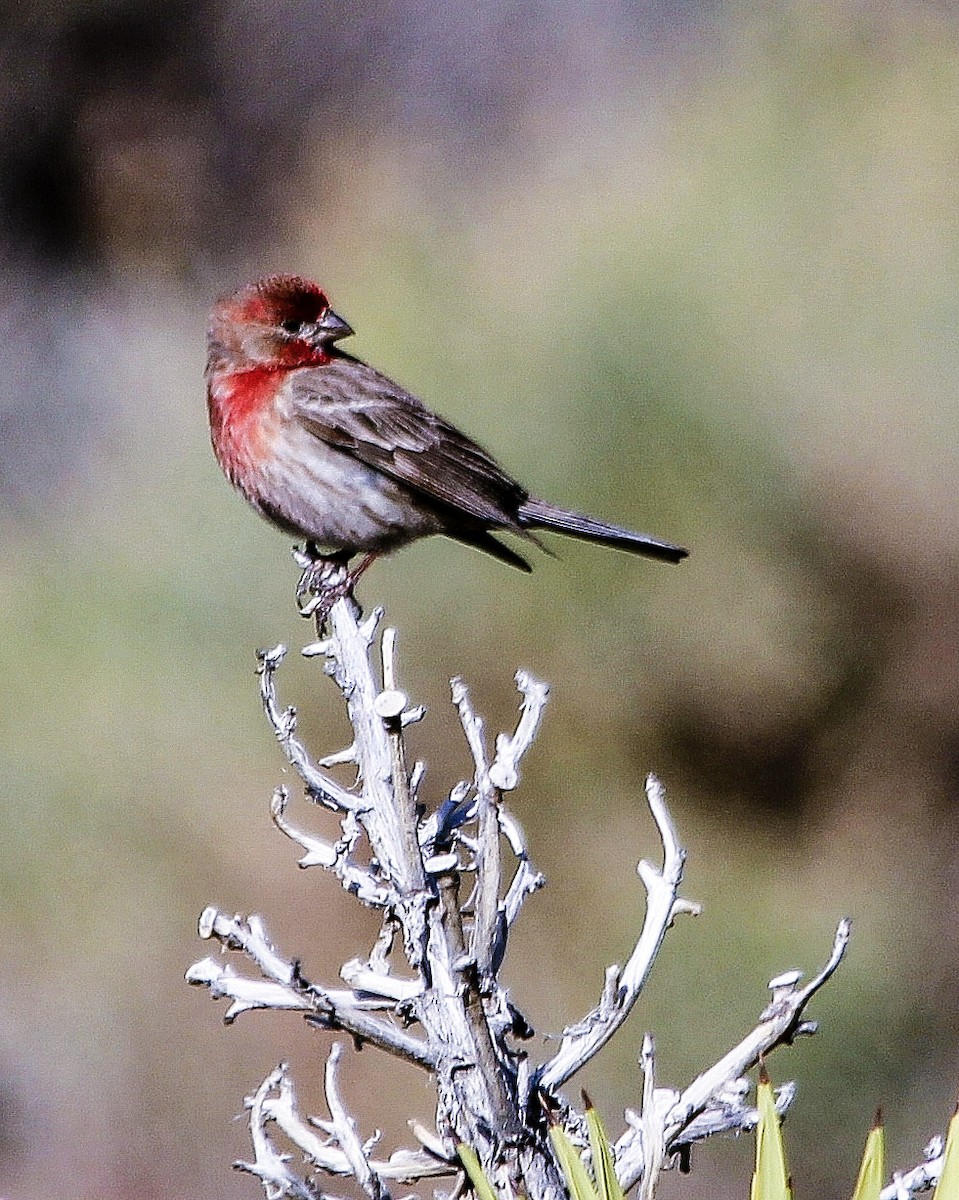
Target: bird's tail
538	514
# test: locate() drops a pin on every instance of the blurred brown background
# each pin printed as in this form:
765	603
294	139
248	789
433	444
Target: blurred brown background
692	266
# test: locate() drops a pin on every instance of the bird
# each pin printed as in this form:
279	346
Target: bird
332	451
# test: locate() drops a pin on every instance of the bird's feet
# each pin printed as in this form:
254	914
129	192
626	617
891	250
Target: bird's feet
325	579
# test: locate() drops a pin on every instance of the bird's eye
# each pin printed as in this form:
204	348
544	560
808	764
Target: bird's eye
290	326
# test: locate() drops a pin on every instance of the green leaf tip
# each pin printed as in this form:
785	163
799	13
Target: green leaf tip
477	1177
872	1171
771	1177
604	1162
948	1186
574	1170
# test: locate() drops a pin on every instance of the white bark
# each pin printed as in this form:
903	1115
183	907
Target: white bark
450	884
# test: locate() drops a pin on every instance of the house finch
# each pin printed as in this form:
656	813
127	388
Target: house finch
330	450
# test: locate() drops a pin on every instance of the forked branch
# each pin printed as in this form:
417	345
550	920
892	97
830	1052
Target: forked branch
449	885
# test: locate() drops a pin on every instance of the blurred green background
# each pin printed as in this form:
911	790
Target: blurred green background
691	266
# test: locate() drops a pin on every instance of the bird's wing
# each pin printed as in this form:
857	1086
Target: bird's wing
353	407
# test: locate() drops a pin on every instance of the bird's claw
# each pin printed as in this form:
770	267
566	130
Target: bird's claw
322	583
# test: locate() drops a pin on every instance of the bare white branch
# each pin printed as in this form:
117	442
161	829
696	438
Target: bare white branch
486	941
285	988
651	1127
726	1112
387	820
504	773
584	1039
336	857
439	880
364	979
275	1104
344	1130
921	1178
245	994
250	936
318	852
779	1022
322	787
270	1164
472	727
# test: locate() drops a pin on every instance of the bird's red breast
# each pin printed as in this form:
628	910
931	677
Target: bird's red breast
242	407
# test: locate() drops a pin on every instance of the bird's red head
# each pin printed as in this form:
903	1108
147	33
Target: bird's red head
282	320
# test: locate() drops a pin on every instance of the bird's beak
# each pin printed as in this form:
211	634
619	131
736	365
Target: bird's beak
331	327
